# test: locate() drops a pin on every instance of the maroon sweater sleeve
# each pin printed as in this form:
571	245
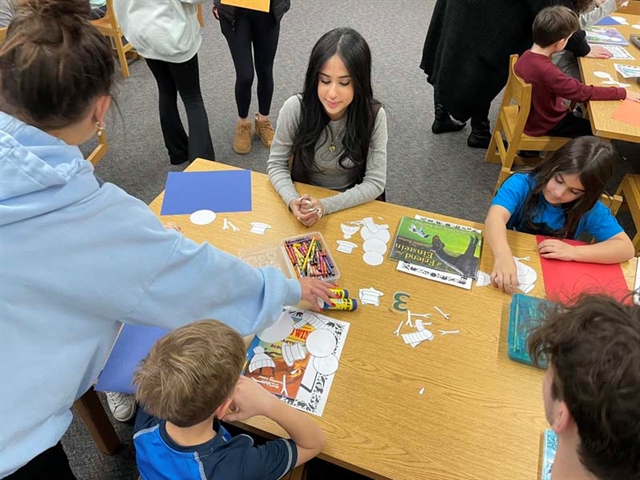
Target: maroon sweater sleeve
572	89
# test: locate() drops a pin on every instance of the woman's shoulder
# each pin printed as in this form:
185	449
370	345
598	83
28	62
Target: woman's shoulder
292	107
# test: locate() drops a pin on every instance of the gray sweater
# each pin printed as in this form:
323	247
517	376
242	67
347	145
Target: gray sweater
331	175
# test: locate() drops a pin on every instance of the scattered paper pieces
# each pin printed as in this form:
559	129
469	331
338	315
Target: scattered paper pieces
202	217
483	279
346	247
375	245
636	27
421	392
399	300
373	258
349	230
416	338
326	365
448	332
259	227
370	296
228	225
445	315
397	330
527	276
321	343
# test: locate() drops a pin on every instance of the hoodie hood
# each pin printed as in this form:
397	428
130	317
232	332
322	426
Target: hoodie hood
39	173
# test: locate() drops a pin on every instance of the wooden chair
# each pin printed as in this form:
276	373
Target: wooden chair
298	473
629	190
100	151
109	27
510	127
3	33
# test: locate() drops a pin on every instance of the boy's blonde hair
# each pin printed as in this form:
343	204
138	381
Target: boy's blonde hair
553	24
190	372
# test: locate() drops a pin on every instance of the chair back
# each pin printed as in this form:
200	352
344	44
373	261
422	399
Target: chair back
3	33
517	93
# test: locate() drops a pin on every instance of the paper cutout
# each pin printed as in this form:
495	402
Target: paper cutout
284	386
620	20
416	338
565	281
321	343
397	330
445	315
132	345
293	352
326	365
398	302
448	332
259	227
636	27
408	322
278	331
349	230
202	217
261	360
346	247
375	245
628	112
370	296
373	258
228	225
220	191
527	276
381	232
483	279
421	392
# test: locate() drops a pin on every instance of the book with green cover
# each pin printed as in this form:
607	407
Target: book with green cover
439	246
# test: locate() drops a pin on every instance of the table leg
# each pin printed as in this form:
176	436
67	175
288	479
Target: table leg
92	413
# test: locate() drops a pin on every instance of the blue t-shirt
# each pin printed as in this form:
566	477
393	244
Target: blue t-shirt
548	218
224	457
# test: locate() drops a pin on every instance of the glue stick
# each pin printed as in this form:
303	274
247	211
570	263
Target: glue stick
340	292
348	304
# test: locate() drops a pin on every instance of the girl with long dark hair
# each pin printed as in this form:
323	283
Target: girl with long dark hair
558	198
334	134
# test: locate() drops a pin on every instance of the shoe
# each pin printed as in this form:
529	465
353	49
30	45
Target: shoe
242	143
122	405
444	123
480	136
264	131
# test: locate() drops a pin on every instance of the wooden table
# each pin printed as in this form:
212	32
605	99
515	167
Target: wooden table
601	112
481	414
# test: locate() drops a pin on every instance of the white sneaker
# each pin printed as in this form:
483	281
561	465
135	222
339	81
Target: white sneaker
122	405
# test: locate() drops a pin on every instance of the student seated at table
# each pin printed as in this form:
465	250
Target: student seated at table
334	134
189	381
558	198
591	389
549	115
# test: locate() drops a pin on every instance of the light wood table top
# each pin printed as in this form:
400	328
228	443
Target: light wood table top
601	112
481	415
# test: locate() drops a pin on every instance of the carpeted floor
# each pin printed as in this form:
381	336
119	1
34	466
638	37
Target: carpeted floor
434	173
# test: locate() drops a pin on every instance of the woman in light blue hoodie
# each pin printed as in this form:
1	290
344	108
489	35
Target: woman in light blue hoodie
78	258
167	34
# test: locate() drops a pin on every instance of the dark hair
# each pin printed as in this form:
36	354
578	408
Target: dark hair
552	24
592	160
356	55
53	63
593	348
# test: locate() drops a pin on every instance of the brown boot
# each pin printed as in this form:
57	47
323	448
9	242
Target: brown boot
242	143
265	132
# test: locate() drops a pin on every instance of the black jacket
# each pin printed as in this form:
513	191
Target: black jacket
278	8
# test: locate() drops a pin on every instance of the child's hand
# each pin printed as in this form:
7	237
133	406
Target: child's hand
556	250
505	274
599	52
312	289
300	209
171	226
635	96
250	399
215	12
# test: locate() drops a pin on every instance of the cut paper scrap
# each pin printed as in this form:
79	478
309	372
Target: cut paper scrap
416	338
348	230
202	217
373	258
628	112
133	344
370	296
259	227
565	281
346	247
483	279
221	191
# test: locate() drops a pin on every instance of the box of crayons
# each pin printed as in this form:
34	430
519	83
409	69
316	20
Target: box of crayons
525	314
296	257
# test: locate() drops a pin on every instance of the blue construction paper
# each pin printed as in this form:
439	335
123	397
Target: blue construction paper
131	347
608	21
220	191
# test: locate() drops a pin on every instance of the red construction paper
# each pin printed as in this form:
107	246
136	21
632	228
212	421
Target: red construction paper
565	281
628	112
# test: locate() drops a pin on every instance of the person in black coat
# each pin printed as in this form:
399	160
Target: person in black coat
466	57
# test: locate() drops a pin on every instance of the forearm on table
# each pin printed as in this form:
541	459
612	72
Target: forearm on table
356	195
496	234
615	250
302	430
280	176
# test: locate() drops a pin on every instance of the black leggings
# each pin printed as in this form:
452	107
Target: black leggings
184	78
261	30
51	464
571	127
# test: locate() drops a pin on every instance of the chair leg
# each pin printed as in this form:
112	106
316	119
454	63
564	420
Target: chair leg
122	56
92	413
493	153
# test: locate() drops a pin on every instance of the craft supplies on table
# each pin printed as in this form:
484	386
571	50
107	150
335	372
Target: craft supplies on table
296	257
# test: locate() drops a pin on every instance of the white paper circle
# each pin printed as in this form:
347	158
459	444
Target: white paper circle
600	74
279	330
375	245
382	234
483	279
529	277
521	268
321	343
636	26
202	217
526	288
326	365
373	258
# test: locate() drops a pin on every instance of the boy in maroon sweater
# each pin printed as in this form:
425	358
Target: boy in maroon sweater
552	28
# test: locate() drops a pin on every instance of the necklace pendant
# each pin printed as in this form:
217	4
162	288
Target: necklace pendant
332	147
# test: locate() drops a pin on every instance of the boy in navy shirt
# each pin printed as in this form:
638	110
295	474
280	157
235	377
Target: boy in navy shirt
549	115
190	379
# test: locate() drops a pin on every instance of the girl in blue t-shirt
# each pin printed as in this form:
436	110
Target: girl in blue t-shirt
558	198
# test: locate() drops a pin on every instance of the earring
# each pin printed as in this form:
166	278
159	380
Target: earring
101	128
